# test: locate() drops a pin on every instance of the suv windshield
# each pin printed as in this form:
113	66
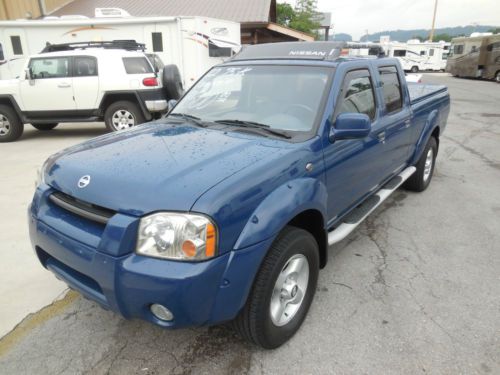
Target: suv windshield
281	97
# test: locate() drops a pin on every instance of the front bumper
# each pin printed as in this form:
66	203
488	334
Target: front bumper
92	260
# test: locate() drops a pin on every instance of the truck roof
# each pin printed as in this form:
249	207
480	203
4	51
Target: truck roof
319	51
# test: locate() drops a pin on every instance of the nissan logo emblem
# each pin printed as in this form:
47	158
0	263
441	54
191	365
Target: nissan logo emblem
84	181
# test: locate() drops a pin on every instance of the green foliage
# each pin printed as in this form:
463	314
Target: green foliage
303	18
495	30
442	36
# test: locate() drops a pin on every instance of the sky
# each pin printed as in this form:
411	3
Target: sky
356	16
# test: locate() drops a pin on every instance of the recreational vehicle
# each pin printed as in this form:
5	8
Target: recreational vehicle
194	44
417	56
476	56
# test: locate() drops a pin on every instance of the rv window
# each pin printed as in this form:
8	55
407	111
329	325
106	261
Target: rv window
446	48
458	49
399	53
157	39
55	67
422	53
473	49
431	52
493	46
137	65
391	88
216	51
1	53
85	66
17	48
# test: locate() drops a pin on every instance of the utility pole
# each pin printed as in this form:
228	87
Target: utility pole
431	36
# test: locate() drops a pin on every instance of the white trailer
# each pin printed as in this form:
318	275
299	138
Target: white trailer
418	56
194	44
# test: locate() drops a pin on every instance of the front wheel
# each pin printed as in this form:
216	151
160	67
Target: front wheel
283	290
414	69
11	128
123	115
497	77
420	180
45	127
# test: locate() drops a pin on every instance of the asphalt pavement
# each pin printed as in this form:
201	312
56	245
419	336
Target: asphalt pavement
415	289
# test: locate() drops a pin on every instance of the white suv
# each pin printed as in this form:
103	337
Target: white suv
85	82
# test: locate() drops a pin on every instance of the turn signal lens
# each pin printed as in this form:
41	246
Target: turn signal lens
210	242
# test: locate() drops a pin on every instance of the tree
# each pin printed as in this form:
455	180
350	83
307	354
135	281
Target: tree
303	18
445	37
495	30
417	37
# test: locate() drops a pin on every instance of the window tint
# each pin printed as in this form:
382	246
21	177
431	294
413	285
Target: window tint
358	94
399	52
55	67
85	66
157	40
216	51
391	88
137	65
458	49
17	48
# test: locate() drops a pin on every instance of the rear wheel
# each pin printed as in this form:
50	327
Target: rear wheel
123	115
497	77
421	179
44	127
283	290
11	128
414	69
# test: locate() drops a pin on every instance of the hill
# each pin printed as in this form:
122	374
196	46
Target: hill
404	35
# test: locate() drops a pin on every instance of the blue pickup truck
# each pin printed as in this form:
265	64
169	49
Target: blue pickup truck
225	209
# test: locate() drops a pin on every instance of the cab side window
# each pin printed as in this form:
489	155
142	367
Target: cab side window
357	94
391	88
57	67
85	66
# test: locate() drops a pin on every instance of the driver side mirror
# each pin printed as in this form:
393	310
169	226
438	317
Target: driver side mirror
29	76
350	126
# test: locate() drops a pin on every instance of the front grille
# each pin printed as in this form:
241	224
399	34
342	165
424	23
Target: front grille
83	209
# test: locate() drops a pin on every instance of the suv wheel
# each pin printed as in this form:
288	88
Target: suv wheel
44	127
283	290
11	127
497	77
414	69
123	115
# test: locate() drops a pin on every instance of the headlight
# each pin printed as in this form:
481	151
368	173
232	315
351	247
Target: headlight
177	236
40	173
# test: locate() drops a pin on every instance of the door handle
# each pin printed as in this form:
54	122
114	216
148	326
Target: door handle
407	124
381	137
63	85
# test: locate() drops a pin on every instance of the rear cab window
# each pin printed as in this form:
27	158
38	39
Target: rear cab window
357	95
391	88
85	66
137	65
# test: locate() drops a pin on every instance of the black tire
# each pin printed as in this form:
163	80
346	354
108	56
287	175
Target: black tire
45	127
11	127
254	322
414	69
172	82
497	77
420	180
125	110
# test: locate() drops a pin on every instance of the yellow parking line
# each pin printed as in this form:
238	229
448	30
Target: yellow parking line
34	320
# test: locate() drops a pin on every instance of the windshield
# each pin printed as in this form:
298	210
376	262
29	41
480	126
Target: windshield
281	97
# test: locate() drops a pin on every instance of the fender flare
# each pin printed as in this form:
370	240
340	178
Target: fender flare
430	124
280	207
12	101
140	102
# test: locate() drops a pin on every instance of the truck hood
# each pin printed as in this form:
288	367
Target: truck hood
158	166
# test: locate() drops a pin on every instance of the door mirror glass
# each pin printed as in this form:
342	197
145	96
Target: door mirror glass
350	126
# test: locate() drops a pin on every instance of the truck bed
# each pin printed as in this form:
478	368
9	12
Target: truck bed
419	91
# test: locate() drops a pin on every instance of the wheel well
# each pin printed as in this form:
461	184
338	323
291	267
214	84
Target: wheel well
112	98
312	221
8	101
435	134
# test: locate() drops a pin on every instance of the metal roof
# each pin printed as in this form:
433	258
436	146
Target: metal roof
232	10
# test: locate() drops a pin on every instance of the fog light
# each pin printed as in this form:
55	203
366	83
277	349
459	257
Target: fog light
161	312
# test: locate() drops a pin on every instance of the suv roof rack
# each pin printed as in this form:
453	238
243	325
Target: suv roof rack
328	51
126	44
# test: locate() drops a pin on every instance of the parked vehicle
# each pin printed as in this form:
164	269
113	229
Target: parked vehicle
110	82
194	44
416	56
477	56
225	209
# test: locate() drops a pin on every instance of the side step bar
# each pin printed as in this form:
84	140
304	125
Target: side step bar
356	217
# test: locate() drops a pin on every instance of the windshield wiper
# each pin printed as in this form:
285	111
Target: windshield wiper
193	119
254	125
